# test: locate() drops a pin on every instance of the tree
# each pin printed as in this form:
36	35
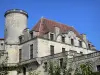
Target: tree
84	69
3	62
55	69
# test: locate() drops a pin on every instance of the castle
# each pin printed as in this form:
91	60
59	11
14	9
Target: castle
31	49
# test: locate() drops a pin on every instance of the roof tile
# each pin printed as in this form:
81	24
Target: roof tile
44	25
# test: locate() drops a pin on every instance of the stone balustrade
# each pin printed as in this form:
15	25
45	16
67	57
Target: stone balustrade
87	56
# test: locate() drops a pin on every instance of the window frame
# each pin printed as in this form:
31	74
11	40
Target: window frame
31	51
2	44
98	68
89	46
51	36
63	39
31	35
63	50
20	39
80	43
20	55
61	60
51	50
45	66
72	41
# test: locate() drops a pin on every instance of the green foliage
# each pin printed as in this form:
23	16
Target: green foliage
84	69
55	69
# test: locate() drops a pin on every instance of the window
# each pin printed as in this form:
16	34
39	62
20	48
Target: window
89	46
69	73
1	44
63	50
51	36
81	52
52	49
72	41
31	35
80	43
31	51
98	68
20	54
24	71
20	39
63	39
61	62
45	66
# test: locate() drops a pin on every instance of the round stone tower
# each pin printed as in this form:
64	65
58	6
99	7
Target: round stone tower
15	23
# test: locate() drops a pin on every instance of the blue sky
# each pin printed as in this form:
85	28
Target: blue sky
83	15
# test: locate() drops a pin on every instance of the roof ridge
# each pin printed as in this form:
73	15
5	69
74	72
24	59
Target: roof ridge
55	21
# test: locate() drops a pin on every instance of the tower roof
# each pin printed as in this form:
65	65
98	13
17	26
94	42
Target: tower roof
16	11
1	38
44	26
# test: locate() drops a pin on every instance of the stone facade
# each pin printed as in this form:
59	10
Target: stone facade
29	49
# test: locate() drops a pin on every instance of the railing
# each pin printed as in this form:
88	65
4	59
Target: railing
58	55
12	64
87	56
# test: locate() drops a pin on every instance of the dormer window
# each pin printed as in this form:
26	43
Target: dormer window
20	39
72	42
63	39
31	34
80	43
89	46
51	36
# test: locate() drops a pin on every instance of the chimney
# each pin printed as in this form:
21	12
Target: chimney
57	30
84	37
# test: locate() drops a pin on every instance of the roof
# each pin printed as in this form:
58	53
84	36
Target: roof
1	38
44	26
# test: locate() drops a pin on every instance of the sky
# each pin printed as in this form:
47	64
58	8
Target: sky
83	15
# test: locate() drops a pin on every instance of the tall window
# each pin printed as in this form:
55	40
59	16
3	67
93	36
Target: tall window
20	54
24	71
98	68
31	51
63	50
63	39
80	43
61	62
31	35
52	49
20	39
45	66
72	41
89	46
51	36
